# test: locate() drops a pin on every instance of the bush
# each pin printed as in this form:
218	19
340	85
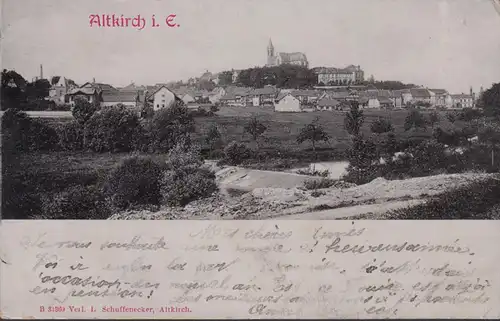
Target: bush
19	198
171	125
362	157
185	179
469	114
21	133
77	203
84	110
235	153
415	119
473	201
313	172
381	126
314	184
70	136
135	181
112	129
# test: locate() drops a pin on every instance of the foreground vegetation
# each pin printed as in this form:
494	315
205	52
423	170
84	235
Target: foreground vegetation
108	160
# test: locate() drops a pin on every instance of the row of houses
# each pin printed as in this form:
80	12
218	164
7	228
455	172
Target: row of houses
327	98
338	98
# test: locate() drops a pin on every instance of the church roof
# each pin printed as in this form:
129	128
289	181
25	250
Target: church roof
292	56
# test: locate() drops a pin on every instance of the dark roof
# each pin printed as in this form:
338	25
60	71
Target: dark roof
326	102
439	91
268	90
420	92
120	96
306	92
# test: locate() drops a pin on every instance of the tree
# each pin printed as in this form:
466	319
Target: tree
490	133
38	90
213	138
170	126
225	78
83	110
434	118
255	128
451	117
415	119
13	90
354	119
490	100
313	132
381	126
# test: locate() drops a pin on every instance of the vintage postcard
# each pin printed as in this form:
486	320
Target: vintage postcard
243	129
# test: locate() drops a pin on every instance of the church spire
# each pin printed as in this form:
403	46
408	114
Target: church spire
270	45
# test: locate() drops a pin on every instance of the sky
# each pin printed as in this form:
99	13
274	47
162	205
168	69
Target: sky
450	44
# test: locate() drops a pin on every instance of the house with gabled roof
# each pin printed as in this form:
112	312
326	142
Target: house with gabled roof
263	96
287	102
162	97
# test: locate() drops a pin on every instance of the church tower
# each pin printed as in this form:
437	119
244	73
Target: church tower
270	53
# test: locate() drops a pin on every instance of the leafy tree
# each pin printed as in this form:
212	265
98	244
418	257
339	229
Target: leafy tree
170	126
83	110
205	85
490	100
313	132
354	119
255	128
213	137
451	117
225	78
381	126
112	129
38	90
415	119
434	118
490	133
13	90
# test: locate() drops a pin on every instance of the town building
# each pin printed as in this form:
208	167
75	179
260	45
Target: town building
327	103
460	101
162	98
59	87
282	58
340	76
286	102
263	96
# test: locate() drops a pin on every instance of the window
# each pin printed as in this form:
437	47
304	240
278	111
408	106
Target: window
158	105
163	95
163	105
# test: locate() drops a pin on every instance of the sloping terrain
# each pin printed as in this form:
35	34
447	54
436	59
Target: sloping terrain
274	195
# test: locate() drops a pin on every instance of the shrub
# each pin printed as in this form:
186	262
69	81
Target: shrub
313	172
235	153
77	203
19	198
473	201
70	136
362	158
185	179
381	126
171	125
135	181
112	129
314	184
83	110
21	133
469	114
415	119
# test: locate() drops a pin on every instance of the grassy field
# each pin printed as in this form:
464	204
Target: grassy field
283	128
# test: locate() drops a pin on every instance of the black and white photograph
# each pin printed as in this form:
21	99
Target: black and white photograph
250	110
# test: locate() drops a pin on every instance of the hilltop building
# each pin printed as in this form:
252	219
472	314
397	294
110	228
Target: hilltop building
282	58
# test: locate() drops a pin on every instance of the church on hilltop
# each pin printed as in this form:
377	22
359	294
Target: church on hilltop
282	58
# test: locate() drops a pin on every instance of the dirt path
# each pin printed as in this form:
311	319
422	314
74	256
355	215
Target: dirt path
346	212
